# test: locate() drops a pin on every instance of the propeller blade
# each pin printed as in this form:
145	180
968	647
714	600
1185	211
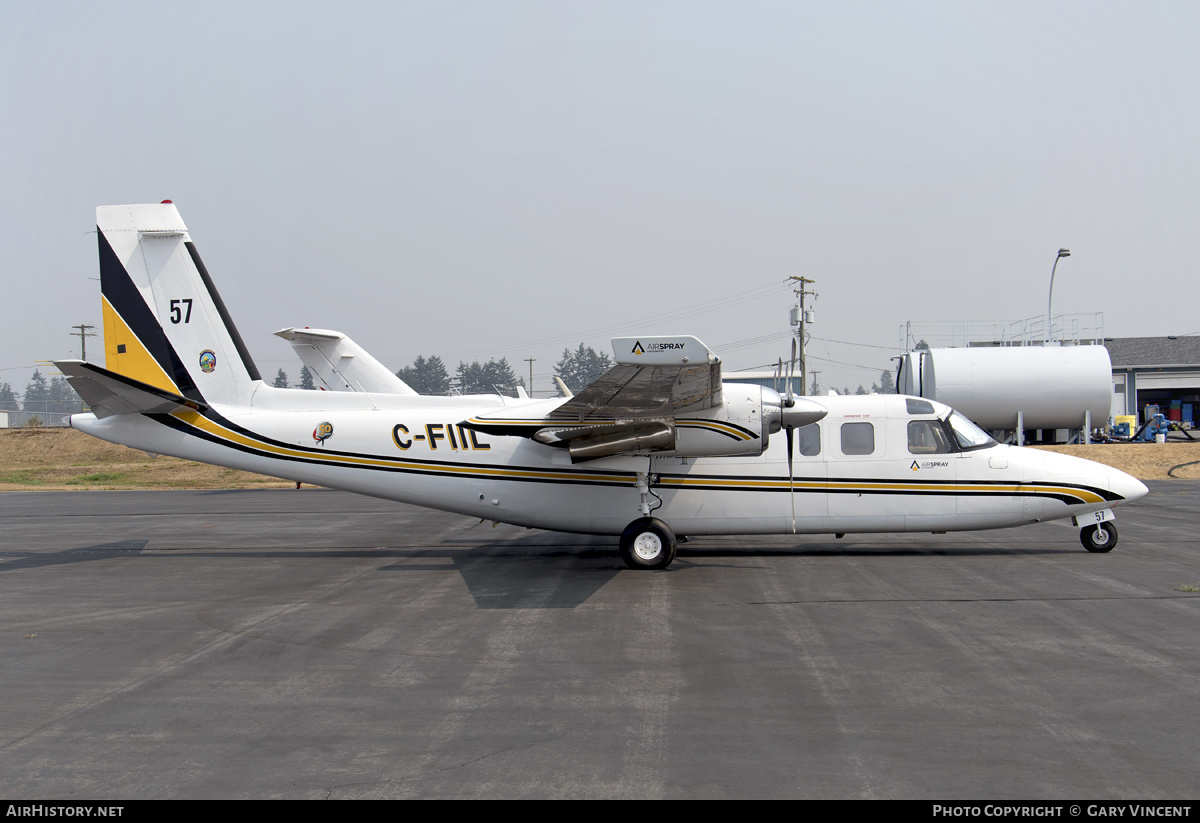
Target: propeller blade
791	438
791	373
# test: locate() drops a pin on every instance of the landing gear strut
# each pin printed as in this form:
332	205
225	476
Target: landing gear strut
648	543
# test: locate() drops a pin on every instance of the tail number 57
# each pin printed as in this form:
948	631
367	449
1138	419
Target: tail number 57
178	315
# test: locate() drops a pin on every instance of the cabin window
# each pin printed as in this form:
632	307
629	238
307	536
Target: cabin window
927	437
916	406
808	440
858	438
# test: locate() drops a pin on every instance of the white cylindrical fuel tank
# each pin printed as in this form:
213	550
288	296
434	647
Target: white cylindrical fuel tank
1052	386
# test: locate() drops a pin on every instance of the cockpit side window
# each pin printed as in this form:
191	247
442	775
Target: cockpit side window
968	435
858	438
927	437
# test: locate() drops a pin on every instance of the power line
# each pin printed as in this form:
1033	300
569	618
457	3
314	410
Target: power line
851	343
635	324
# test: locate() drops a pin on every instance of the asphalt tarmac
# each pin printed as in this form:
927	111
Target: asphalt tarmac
314	644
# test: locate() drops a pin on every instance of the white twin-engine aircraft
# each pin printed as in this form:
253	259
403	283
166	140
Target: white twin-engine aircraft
656	447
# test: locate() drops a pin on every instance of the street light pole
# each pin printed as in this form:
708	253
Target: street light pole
1050	301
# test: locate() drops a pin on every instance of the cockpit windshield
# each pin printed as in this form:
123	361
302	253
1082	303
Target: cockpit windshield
968	435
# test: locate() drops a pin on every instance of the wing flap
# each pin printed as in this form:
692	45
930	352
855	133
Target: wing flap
108	393
634	392
630	408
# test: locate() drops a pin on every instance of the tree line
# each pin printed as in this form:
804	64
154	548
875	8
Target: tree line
576	368
428	375
42	401
886	385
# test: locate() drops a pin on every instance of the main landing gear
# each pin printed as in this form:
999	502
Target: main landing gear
1099	538
648	543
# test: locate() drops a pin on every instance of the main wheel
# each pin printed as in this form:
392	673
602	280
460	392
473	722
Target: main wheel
1099	538
648	543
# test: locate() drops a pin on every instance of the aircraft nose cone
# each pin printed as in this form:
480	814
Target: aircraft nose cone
1127	486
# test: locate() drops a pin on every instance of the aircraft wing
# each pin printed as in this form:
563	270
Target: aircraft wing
654	377
627	391
630	407
108	393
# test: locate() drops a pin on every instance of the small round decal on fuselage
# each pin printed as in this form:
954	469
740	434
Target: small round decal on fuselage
323	432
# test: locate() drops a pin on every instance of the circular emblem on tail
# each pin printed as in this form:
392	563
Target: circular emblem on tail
208	361
323	432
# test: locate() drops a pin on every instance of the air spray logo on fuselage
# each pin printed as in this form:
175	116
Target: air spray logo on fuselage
638	348
929	464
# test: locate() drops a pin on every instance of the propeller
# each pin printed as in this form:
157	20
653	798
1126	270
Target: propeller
791	436
791	397
794	412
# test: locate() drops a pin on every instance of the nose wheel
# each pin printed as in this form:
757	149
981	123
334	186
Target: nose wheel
648	543
1099	538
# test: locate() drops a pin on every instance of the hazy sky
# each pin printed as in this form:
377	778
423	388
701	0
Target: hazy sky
486	179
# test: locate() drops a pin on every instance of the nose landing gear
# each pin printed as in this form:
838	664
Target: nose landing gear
1100	538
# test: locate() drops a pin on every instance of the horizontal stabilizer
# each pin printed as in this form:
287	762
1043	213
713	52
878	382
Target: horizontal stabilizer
109	393
339	364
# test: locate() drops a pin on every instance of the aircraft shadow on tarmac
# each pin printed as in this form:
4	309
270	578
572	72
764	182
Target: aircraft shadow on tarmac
101	551
554	571
537	571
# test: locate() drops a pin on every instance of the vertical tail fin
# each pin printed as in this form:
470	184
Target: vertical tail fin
164	322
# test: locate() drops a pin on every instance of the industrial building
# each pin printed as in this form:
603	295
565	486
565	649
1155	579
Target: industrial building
1156	371
1049	391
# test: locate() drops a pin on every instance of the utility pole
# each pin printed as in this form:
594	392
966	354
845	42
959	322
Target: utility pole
83	335
798	320
530	360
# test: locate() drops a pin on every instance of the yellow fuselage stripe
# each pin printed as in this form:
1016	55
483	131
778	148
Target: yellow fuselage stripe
704	424
221	432
204	424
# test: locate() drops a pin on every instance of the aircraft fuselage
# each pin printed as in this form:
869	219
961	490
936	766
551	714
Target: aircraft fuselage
415	450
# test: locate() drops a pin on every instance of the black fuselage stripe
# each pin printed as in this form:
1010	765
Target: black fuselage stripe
434	469
743	483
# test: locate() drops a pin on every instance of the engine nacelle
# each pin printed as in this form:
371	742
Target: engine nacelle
738	426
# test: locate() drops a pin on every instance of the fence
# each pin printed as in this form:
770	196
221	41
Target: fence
1077	329
50	414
